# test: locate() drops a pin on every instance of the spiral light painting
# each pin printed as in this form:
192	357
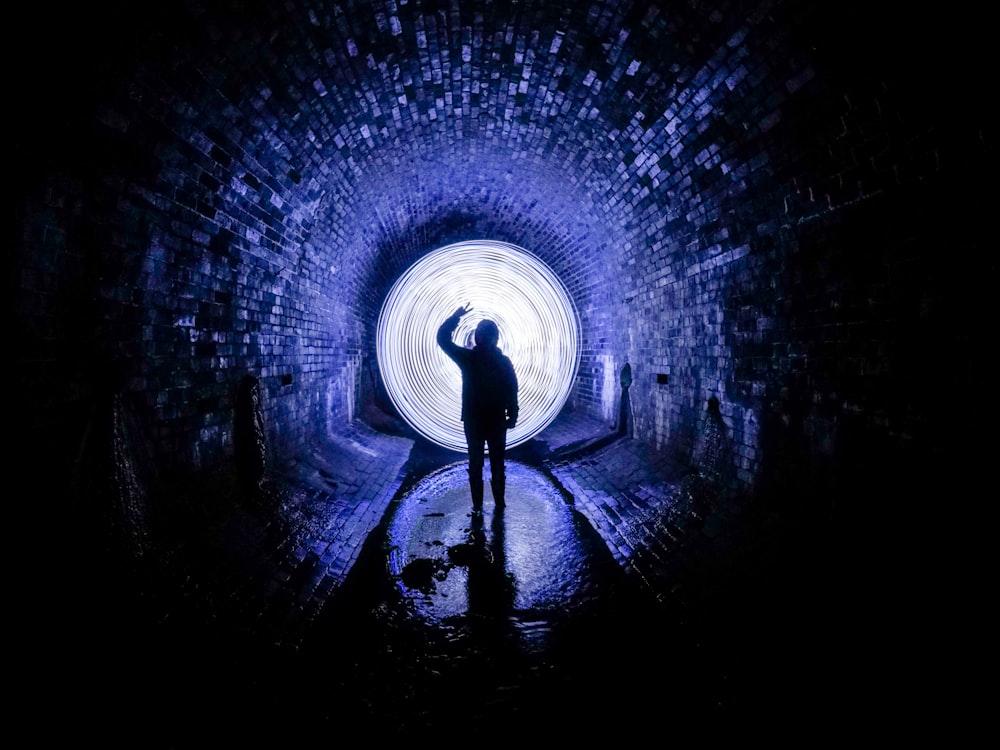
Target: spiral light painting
539	331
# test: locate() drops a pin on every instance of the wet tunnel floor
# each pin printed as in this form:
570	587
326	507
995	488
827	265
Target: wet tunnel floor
513	621
454	626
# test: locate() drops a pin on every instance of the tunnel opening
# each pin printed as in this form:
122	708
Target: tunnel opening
539	331
748	202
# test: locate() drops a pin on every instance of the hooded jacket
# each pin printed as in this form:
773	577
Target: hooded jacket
489	384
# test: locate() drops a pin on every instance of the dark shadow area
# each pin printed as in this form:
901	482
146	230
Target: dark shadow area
160	655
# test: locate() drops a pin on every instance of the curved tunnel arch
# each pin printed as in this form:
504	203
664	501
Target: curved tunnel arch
324	153
773	208
240	184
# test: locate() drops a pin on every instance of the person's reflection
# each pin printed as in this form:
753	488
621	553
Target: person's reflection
490	587
496	658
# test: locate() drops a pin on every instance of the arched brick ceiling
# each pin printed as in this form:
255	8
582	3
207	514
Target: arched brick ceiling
380	129
245	180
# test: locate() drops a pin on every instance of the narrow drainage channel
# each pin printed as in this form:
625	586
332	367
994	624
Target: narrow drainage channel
456	621
517	622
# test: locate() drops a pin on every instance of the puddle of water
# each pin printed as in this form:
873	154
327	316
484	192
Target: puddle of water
525	560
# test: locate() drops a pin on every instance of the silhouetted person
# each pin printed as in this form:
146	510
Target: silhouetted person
489	401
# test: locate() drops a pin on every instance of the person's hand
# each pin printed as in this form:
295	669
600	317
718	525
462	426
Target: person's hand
463	310
511	422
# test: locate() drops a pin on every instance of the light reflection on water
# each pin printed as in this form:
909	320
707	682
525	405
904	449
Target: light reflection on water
495	621
528	562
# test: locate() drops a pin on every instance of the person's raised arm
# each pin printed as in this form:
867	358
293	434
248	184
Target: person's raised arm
450	324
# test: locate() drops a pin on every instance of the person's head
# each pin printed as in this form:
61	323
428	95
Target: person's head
487	333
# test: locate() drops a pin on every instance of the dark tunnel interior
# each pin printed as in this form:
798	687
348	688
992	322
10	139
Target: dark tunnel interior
771	221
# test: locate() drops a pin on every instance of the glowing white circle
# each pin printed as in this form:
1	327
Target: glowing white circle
539	331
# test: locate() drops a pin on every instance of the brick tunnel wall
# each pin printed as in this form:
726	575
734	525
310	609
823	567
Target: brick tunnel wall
765	204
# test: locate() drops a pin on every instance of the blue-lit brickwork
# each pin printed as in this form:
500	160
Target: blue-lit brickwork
744	205
752	506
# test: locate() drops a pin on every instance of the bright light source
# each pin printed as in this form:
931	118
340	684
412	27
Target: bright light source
539	331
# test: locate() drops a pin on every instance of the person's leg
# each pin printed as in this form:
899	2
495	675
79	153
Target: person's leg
496	439
475	442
